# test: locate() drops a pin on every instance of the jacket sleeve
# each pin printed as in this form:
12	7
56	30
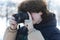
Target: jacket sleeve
10	34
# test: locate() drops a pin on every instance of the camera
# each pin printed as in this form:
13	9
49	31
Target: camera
22	32
21	16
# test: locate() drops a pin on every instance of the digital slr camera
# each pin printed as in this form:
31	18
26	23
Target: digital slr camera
22	32
21	16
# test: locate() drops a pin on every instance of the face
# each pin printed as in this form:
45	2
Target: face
36	17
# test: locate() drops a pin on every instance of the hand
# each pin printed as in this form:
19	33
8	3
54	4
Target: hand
13	23
29	23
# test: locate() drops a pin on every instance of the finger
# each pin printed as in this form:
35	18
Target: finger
30	18
12	22
11	18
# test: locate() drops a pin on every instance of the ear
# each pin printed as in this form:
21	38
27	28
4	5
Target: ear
40	13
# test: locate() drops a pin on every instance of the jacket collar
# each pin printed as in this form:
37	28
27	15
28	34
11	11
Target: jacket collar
50	22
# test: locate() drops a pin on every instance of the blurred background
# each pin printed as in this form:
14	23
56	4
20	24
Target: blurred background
9	7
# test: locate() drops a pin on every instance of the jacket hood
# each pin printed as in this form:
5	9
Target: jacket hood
49	22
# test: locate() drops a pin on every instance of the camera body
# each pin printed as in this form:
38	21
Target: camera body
21	16
22	32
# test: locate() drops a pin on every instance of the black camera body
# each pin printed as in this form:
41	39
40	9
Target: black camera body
22	32
21	16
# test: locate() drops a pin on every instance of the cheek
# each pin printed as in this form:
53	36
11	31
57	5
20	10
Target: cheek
35	17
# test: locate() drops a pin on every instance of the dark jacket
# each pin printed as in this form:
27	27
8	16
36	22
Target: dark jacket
48	28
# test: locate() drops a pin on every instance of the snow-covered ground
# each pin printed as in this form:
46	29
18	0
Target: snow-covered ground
2	27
